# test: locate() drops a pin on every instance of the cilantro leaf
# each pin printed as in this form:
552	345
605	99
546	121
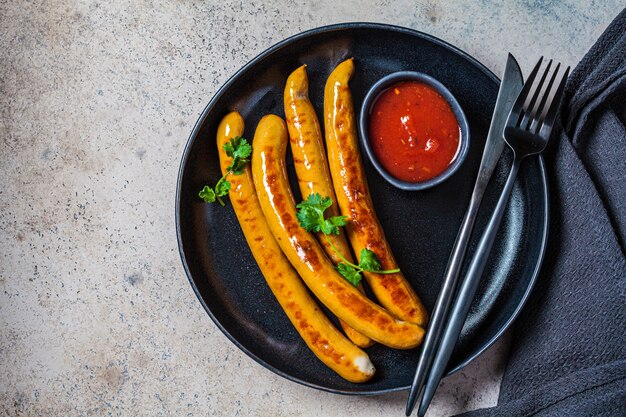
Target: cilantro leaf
317	202
222	187
332	224
229	147
338	221
244	150
237	166
308	217
349	273
368	261
207	194
311	215
237	147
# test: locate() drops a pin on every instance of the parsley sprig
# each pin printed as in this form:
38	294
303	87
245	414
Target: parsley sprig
239	149
311	217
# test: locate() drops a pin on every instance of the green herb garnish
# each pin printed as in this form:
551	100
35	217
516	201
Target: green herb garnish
311	217
239	149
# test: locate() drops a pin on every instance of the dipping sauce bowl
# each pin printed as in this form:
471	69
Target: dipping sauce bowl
413	130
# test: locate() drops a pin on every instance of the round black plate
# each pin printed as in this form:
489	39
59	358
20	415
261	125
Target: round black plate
421	226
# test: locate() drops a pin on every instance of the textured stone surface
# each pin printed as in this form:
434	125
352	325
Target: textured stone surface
97	100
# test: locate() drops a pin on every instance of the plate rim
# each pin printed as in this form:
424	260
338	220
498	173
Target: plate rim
209	107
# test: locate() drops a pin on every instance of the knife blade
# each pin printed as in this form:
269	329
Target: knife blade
510	87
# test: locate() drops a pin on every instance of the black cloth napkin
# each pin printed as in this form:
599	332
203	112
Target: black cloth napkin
568	353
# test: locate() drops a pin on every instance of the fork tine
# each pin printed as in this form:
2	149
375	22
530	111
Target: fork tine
530	107
549	114
535	121
519	103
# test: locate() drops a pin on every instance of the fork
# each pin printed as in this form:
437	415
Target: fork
527	132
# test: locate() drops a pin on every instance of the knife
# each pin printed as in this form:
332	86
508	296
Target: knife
510	87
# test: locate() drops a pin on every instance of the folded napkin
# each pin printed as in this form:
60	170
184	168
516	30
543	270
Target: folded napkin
568	353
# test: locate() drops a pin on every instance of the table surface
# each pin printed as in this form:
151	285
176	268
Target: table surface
97	101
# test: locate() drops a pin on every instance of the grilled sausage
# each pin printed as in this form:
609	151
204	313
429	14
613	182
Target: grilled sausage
363	228
305	254
326	342
307	147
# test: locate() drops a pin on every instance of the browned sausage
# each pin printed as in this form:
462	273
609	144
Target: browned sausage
364	230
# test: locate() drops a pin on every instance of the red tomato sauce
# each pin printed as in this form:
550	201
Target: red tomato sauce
413	131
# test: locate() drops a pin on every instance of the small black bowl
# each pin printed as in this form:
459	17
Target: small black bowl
464	137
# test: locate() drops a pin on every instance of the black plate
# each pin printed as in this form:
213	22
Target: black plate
420	226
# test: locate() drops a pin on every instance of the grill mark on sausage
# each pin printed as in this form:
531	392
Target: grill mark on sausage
360	307
300	118
400	295
315	338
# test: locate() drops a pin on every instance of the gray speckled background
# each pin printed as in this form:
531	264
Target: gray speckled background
97	100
